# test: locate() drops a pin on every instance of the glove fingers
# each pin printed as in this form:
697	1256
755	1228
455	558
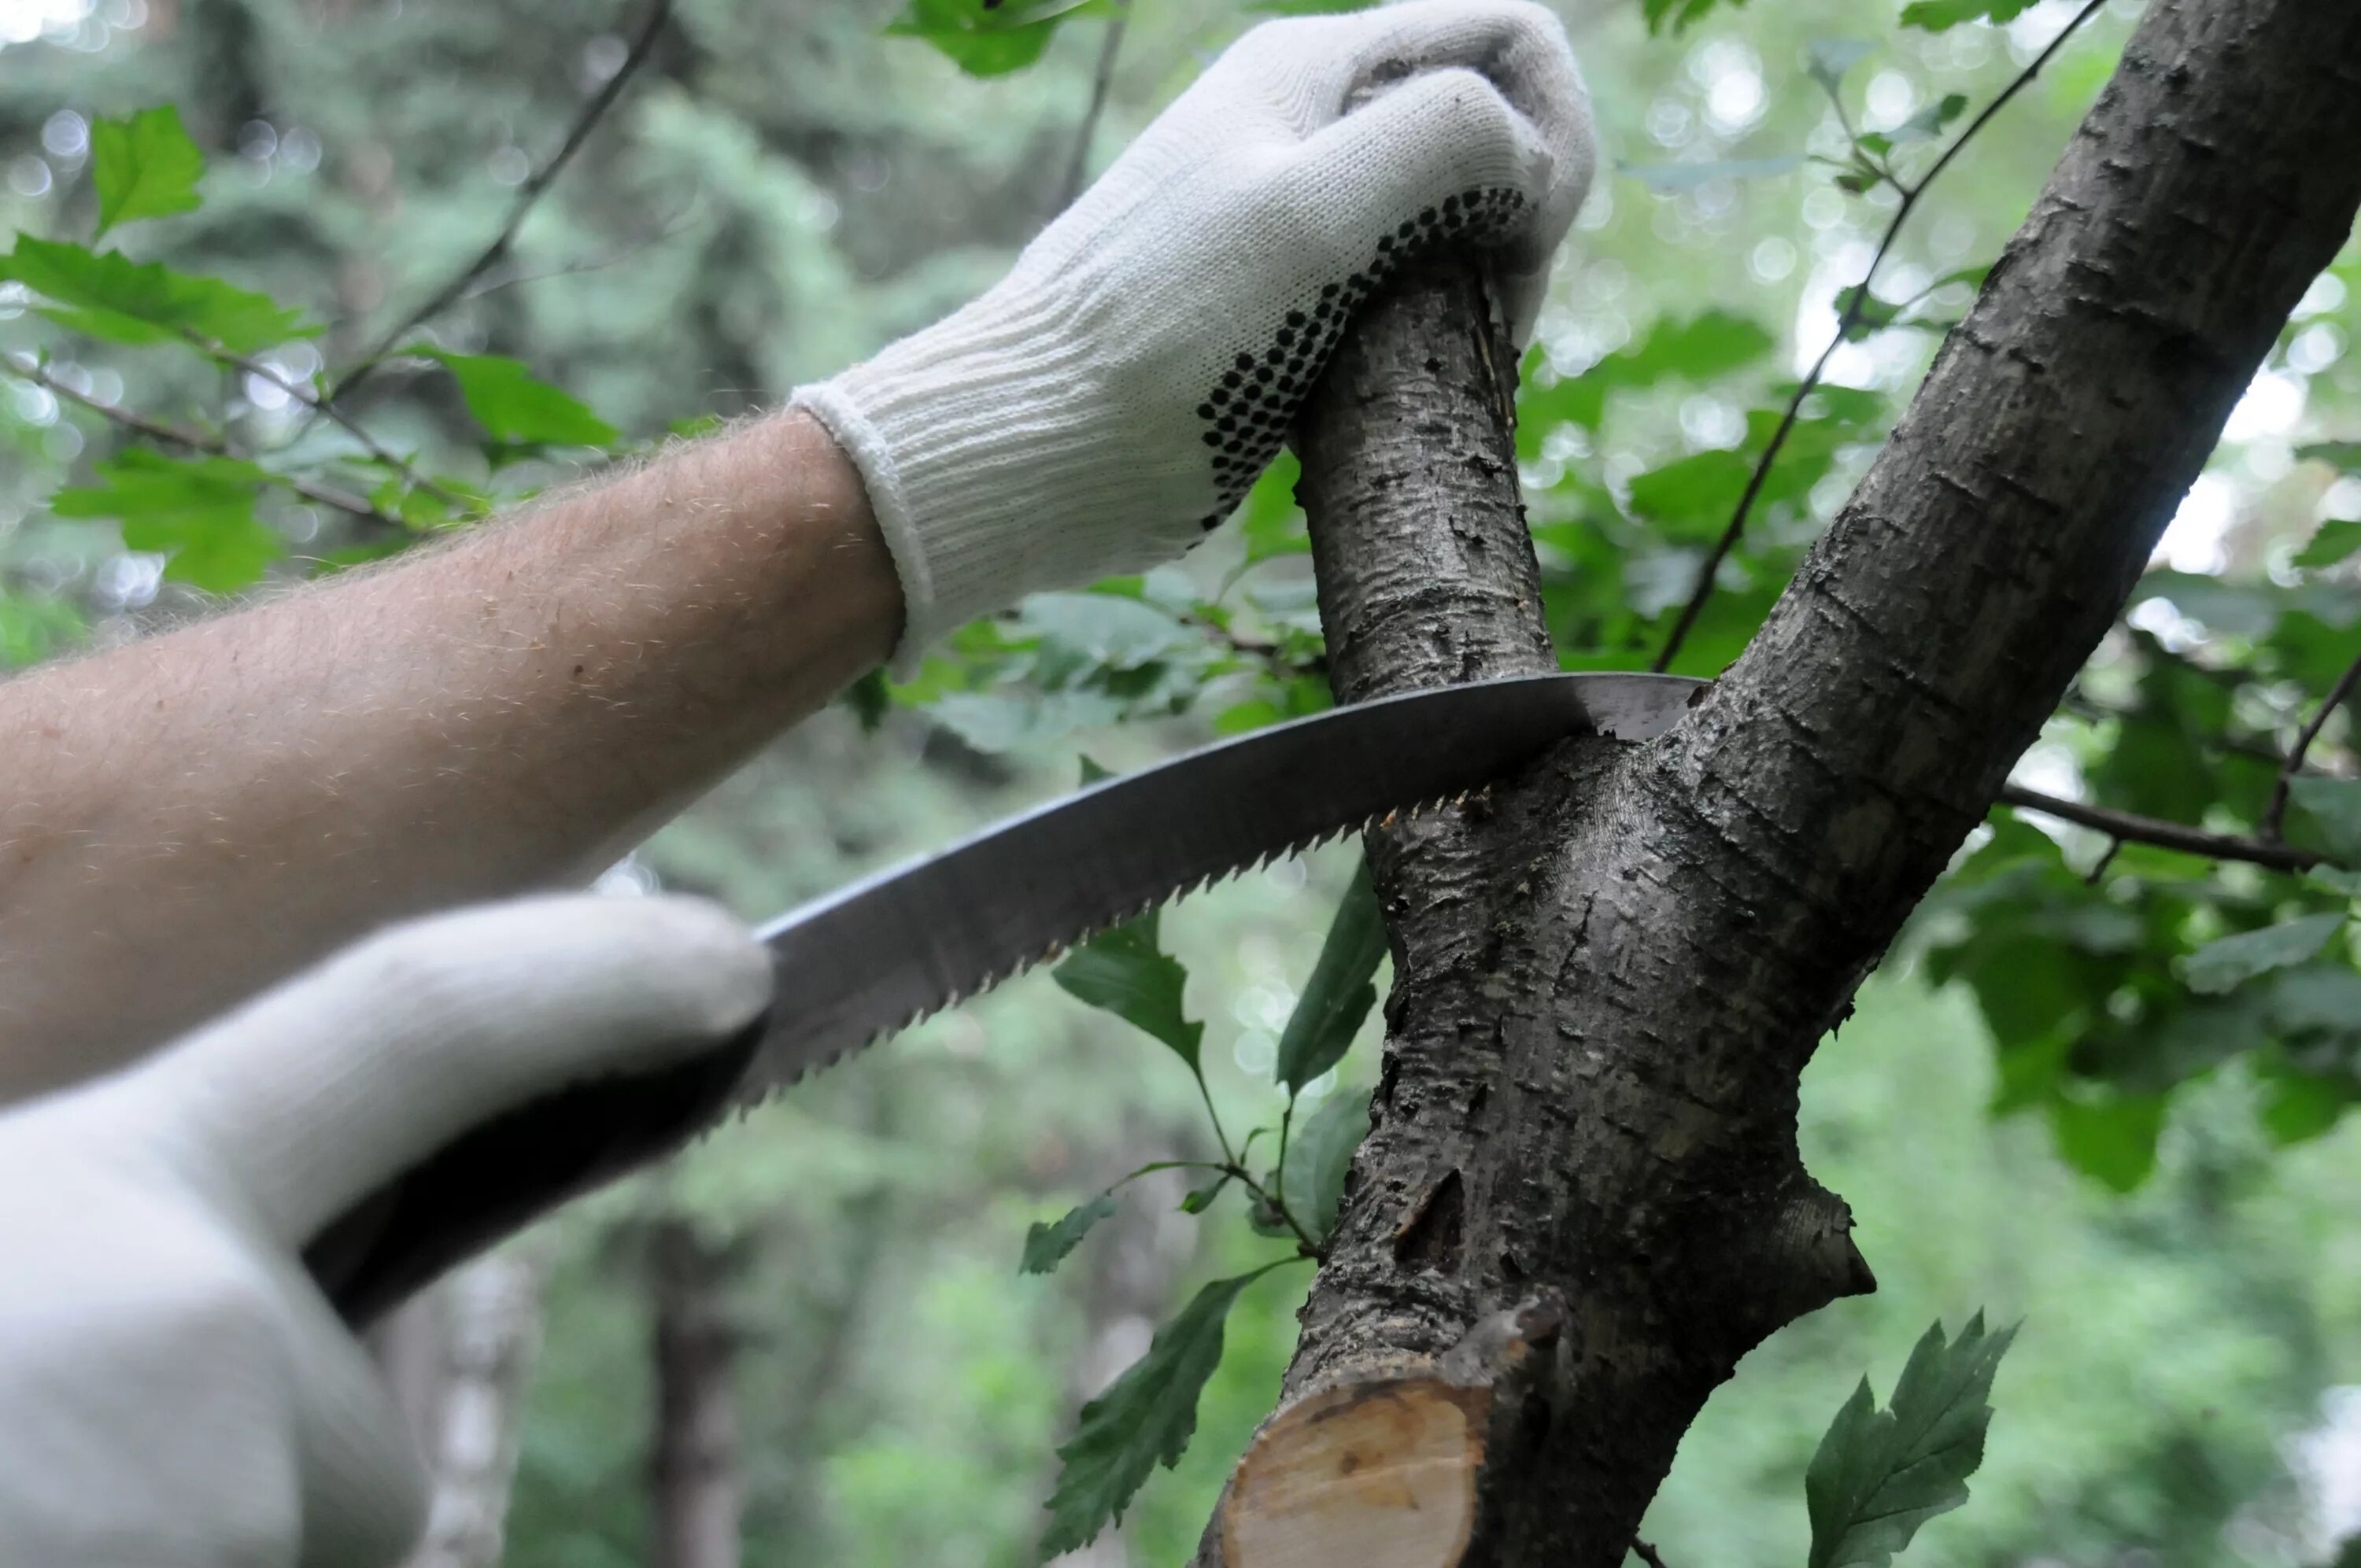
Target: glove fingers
323	1091
1536	137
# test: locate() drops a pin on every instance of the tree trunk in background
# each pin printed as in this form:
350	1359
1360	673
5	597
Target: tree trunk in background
694	1468
458	1359
1581	1201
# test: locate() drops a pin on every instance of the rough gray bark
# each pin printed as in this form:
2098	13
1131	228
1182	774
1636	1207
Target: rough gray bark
698	1492
1610	974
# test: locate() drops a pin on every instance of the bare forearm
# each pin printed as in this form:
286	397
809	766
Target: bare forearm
185	819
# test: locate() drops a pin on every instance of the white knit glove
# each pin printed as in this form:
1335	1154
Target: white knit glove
1116	394
174	1388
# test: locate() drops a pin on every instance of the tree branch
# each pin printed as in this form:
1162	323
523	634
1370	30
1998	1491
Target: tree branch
2275	814
1855	306
326	410
1611	972
193	441
1078	165
2124	825
528	195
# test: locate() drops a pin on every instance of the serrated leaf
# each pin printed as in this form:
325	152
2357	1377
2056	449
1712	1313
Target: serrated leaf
1937	16
1318	1157
1145	1418
1880	1475
516	406
2231	960
1340	993
1125	971
199	511
1047	1243
2337	539
145	167
106	295
2111	1140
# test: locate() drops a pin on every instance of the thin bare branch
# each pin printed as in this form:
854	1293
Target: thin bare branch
1078	166
640	245
2275	814
1646	1553
2123	825
196	441
528	195
1855	306
263	370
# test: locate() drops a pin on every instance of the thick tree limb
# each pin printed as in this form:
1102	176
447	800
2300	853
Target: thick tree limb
1610	974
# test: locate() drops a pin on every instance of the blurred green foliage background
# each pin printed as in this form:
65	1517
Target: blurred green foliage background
786	187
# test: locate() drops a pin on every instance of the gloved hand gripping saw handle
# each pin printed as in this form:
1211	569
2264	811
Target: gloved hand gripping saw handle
500	1176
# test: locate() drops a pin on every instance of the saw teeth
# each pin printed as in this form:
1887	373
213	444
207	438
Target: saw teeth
753	1094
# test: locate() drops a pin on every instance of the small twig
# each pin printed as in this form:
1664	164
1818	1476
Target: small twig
669	230
2099	868
311	400
1646	1553
528	195
1853	311
2123	825
194	441
1078	165
2275	814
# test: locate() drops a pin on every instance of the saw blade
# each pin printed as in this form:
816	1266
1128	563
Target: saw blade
885	952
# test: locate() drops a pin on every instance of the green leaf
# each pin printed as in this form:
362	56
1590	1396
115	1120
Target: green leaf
1319	1156
1340	993
517	408
1105	630
2335	540
2231	960
107	296
31	628
1047	1242
2111	1140
1937	16
1697	349
1933	120
145	167
1200	1198
1828	60
2331	811
1145	1418
2343	454
1680	13
1692	498
984	38
197	510
1269	519
1879	1475
1125	971
870	699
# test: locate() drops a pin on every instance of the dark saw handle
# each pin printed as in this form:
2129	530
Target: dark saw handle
497	1177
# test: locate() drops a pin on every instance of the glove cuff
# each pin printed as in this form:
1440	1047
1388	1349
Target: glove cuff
985	442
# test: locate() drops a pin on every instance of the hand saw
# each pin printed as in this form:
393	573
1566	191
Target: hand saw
887	950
